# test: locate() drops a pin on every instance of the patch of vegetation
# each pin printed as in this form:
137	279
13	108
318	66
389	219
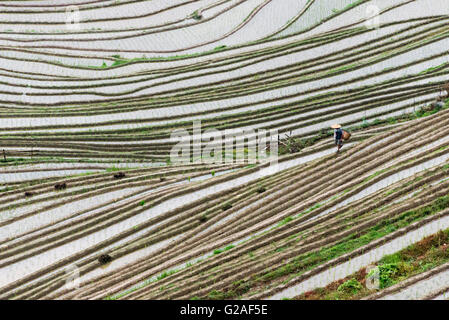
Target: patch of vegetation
285	221
428	110
350	286
143	284
238	288
417	258
196	15
220	48
165	274
226	206
112	169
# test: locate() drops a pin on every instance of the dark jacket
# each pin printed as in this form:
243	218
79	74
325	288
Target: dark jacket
338	134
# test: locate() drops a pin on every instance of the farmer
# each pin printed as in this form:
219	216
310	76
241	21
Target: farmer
439	103
338	136
446	88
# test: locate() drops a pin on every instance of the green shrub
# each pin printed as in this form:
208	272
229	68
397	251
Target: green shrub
196	15
387	274
392	258
351	286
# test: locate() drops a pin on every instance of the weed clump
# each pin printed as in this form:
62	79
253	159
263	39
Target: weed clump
29	194
202	218
428	110
388	272
261	189
104	259
351	286
226	206
197	15
61	186
119	175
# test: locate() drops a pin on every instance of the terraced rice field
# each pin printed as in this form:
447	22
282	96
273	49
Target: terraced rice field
93	206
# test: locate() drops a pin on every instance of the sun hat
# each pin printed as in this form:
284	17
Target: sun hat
336	126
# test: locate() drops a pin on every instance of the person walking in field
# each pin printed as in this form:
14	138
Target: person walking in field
445	88
439	103
338	136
